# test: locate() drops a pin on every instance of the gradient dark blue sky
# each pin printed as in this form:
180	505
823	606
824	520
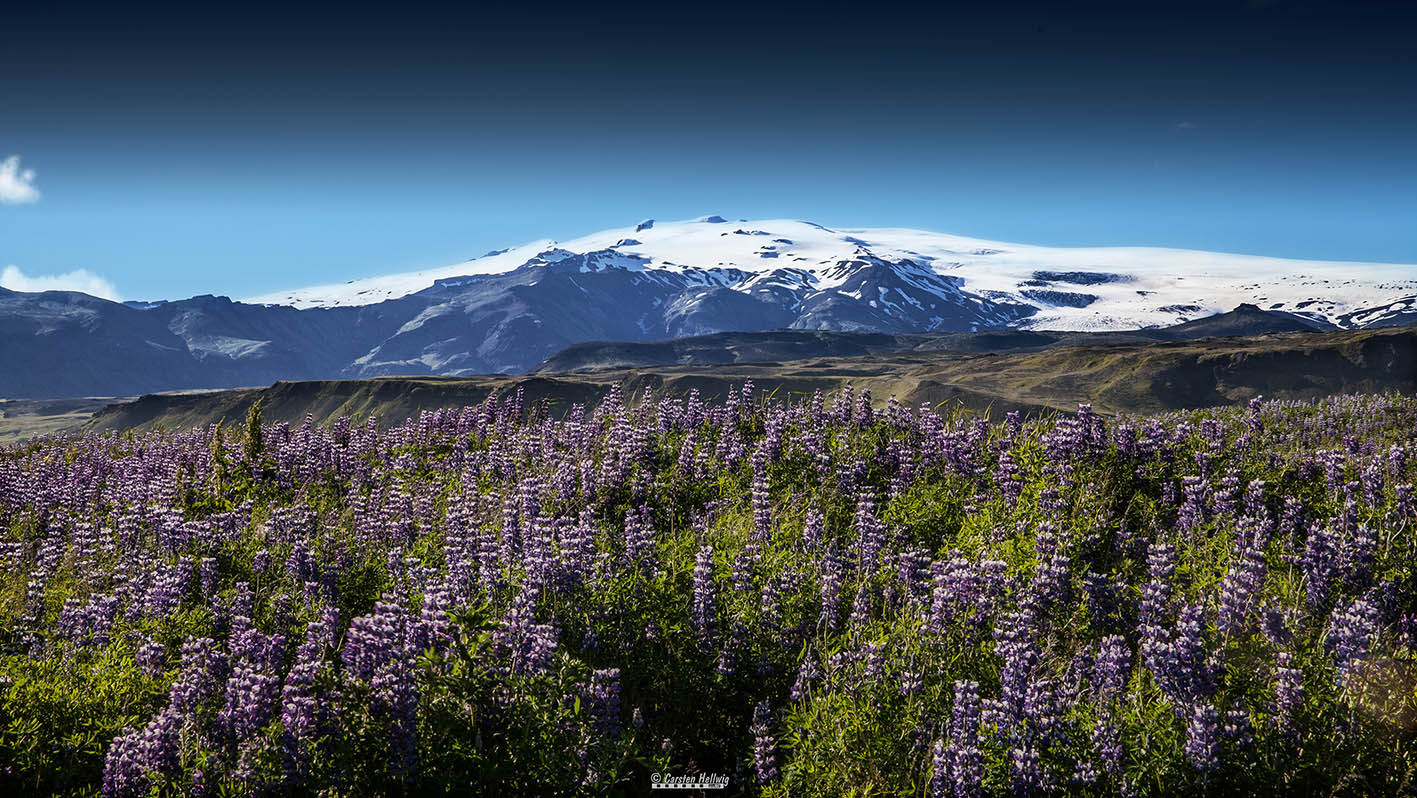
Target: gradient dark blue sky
241	149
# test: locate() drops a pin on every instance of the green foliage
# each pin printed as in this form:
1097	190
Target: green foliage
255	444
382	516
58	715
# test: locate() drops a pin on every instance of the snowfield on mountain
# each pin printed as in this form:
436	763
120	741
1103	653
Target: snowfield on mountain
1048	288
509	311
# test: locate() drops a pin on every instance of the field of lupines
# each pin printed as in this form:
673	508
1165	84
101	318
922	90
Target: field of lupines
814	598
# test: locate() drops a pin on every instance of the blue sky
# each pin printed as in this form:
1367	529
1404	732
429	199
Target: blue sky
241	150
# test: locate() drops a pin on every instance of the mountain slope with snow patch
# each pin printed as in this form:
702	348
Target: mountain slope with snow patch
510	310
1051	288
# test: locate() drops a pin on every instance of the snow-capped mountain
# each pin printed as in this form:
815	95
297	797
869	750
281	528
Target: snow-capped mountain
510	310
890	278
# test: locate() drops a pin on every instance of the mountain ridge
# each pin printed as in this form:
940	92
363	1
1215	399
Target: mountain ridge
513	309
1072	288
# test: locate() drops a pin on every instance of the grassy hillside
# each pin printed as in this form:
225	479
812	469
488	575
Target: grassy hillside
1128	377
22	419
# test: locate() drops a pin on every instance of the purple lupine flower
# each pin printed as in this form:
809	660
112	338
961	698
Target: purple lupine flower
640	537
1193	510
1289	695
1052	503
1373	484
124	769
870	532
688	460
1050	582
1358	557
251	701
1254	406
71	624
812	530
374	639
1255	500
1238	728
138	759
1333	463
1225	502
1240	590
1107	743
913	568
539	562
875	661
764	746
939	771
833	579
1015	644
1275	626
1113	666
1084	773
770	607
1404	503
207	570
433	629
1407	630
1156	594
945	590
1027	775
537	649
727	663
377	650
705	607
529	647
394	689
863	607
578	551
169	589
807	674
1044	707
301	711
1202	737
603	697
1177	661
152	657
1076	437
760	497
203	672
141	757
966	762
745	568
1009	479
1351	634
911	682
1190	651
1397	459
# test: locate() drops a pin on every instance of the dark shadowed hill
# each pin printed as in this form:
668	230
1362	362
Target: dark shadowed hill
1120	377
770	345
1246	319
778	345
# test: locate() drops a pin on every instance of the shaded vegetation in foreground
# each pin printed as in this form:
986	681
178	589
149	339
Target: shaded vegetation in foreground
819	598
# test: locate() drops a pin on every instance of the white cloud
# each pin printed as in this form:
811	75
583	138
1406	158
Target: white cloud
16	184
77	280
